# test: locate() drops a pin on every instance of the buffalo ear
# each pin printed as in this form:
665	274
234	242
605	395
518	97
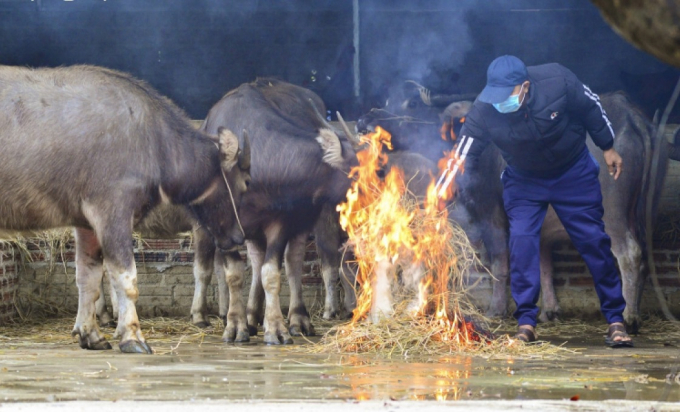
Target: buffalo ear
228	144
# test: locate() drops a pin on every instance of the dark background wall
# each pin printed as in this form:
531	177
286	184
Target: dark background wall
194	51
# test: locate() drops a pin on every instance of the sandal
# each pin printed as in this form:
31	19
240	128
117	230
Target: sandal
617	337
526	334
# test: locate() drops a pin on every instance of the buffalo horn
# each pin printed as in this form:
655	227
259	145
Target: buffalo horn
442	100
350	136
244	153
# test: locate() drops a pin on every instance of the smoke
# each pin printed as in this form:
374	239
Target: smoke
427	44
194	51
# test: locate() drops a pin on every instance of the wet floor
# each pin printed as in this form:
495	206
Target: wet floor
212	370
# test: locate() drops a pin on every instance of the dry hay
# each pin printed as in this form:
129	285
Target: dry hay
667	228
163	334
39	298
391	232
406	336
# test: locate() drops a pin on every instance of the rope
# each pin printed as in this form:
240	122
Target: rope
233	203
650	202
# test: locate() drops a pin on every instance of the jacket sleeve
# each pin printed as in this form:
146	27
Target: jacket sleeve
473	140
585	105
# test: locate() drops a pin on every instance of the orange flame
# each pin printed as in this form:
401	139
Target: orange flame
382	229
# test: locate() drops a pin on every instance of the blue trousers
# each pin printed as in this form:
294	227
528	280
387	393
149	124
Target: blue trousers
577	199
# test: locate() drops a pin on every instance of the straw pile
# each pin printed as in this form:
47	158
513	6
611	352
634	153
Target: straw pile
391	231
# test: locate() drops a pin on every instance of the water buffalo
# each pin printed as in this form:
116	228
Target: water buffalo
298	165
418	120
97	149
624	202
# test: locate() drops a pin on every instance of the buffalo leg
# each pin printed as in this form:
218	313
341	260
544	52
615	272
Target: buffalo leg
381	301
275	330
255	308
203	268
232	268
628	254
299	322
88	278
116	241
105	318
551	308
348	279
223	288
327	240
496	244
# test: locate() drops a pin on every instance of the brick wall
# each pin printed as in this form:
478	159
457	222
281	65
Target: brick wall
8	280
574	284
165	280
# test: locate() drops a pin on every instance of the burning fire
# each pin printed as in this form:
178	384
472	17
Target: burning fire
390	230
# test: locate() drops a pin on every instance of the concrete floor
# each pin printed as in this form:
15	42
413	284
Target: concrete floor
212	374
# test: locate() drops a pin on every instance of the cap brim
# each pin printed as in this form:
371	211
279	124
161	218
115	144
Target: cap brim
492	94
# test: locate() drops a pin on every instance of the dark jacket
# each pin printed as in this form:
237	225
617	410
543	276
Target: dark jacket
545	136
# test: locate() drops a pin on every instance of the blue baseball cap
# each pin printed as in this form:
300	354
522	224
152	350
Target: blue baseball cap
503	75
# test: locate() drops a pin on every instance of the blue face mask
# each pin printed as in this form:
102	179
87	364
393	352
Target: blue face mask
511	104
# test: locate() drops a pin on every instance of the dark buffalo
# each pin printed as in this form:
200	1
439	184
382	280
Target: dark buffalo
416	120
96	149
298	165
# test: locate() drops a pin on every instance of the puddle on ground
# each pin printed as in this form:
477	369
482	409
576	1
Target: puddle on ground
214	370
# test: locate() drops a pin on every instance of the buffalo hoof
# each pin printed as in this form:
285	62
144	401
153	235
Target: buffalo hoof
633	326
204	324
252	330
299	322
299	330
277	339
238	337
101	344
331	314
135	346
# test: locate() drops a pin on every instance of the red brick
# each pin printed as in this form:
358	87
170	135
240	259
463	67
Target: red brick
311	280
561	257
559	282
151	257
183	257
38	256
666	269
670	282
572	269
581	281
65	257
161	244
660	257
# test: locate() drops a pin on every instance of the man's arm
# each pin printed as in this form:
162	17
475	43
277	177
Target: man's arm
472	143
585	104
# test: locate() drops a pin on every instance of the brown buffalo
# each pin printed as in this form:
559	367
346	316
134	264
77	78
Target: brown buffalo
96	149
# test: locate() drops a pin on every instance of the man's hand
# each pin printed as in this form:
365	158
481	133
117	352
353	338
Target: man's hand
614	162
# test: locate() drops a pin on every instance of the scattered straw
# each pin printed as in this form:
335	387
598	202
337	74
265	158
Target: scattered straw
165	335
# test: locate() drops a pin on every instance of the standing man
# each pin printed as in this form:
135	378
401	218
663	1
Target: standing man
538	117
